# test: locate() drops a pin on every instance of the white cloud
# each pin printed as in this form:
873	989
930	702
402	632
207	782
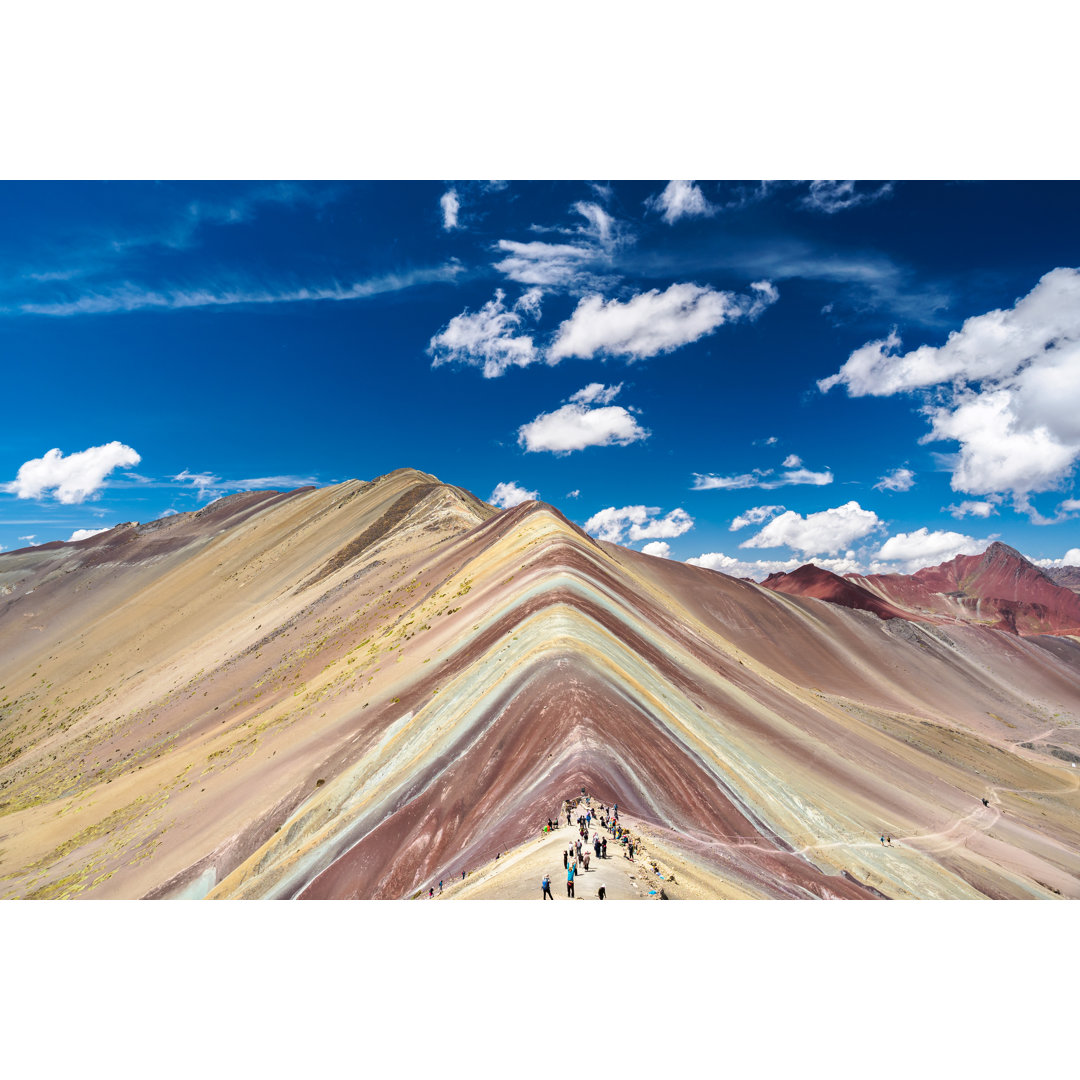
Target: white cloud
900	479
832	196
129	297
681	199
613	523
825	532
999	450
754	516
596	394
576	426
489	338
450	204
573	494
509	494
921	548
1011	389
600	223
758	569
537	262
1070	558
74	478
792	461
761	478
658	548
981	509
208	485
672	524
84	534
653	322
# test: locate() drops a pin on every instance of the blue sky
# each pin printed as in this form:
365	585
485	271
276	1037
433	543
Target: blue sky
751	375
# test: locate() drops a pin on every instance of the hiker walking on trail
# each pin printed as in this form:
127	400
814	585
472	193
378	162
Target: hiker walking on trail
603	848
882	839
565	858
630	850
601	893
986	802
546	886
570	882
585	860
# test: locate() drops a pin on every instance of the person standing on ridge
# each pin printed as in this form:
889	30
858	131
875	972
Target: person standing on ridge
565	858
570	883
546	886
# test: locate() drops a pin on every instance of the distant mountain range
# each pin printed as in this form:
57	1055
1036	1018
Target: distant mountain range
999	588
359	690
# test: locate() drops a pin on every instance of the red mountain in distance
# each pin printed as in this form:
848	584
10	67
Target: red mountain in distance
999	588
822	584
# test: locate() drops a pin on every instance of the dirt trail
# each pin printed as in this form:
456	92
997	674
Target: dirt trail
516	874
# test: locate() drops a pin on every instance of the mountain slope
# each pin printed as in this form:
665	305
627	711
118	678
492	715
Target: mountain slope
999	587
822	584
355	691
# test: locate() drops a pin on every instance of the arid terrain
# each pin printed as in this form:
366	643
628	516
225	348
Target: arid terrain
358	691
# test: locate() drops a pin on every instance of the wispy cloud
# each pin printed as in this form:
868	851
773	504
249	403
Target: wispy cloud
832	196
210	486
132	297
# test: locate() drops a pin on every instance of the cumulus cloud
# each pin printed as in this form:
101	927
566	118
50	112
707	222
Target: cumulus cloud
489	338
754	516
1010	390
973	508
450	204
509	493
792	461
759	569
84	534
832	196
922	547
900	479
577	425
761	478
674	523
654	322
71	479
573	494
681	199
658	548
1070	558
825	532
639	522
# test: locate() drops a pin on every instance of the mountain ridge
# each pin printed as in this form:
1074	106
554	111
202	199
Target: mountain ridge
189	718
